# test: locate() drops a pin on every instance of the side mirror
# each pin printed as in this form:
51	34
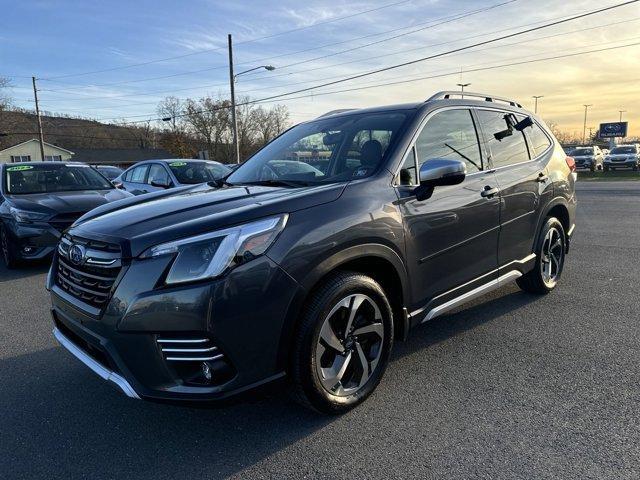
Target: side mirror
439	172
159	184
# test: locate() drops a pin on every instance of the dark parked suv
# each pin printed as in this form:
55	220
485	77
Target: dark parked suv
206	291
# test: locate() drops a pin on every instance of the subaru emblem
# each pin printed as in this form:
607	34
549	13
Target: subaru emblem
76	254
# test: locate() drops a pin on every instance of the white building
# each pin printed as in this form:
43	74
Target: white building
29	151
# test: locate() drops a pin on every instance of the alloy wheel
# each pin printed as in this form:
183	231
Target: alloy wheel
4	245
350	345
552	257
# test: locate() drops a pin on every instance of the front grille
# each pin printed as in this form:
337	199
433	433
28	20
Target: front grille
64	220
91	279
185	349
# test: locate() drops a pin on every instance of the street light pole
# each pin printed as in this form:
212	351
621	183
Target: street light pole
40	134
232	83
462	85
535	108
621	112
234	120
584	128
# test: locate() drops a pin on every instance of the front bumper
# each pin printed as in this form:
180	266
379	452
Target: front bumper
33	241
625	164
242	314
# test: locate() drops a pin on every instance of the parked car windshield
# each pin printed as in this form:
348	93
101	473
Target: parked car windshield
52	177
616	150
110	172
198	172
332	149
582	151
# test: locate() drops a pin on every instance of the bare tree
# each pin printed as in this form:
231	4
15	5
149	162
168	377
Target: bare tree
172	108
5	98
208	119
270	123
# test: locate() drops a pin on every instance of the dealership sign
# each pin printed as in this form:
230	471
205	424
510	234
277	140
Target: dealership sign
612	130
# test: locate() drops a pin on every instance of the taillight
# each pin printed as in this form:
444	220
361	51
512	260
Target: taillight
571	163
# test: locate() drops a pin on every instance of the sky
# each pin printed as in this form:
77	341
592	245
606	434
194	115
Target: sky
114	60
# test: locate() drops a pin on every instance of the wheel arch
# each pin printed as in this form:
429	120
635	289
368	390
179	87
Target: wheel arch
559	208
378	261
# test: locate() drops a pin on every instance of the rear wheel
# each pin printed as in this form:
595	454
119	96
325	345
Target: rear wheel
343	344
550	253
7	248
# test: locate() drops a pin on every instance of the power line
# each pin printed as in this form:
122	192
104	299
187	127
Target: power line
430	57
361	75
430	24
266	37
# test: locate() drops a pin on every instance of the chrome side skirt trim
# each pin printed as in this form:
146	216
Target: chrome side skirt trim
570	232
98	369
522	261
470	295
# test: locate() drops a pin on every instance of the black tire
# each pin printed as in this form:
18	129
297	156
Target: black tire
535	281
606	168
7	249
635	168
592	168
308	388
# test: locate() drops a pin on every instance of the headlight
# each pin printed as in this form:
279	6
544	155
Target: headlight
210	254
24	216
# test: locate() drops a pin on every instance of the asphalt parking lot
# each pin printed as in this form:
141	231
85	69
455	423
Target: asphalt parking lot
511	386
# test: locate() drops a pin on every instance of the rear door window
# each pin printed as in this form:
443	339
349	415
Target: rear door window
506	144
138	174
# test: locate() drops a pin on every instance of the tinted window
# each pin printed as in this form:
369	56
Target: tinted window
450	134
157	173
49	177
539	141
110	172
619	150
507	145
138	174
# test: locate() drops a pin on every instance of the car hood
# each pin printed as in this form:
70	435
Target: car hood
146	220
55	203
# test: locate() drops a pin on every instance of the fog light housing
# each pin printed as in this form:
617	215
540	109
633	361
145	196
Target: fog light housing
206	372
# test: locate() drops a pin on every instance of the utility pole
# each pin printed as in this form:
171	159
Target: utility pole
621	112
584	128
462	85
234	120
40	134
535	108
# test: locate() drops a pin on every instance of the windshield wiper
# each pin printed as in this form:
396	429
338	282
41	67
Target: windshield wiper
220	182
278	183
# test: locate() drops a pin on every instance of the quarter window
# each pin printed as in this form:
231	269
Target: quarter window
408	173
450	134
539	141
506	144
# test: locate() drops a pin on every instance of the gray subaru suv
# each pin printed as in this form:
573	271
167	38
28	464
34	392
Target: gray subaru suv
308	262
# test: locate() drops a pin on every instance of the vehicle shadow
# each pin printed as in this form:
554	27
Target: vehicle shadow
24	271
61	420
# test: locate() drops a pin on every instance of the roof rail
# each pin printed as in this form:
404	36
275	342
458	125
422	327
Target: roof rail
446	94
334	112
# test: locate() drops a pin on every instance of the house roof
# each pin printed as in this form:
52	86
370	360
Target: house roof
36	140
119	155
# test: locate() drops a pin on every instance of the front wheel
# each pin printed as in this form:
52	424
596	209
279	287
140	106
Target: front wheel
550	254
8	249
343	344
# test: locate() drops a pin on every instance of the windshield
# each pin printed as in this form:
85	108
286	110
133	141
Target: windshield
49	177
110	172
582	151
325	150
622	150
198	172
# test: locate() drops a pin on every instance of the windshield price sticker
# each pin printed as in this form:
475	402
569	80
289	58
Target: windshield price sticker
20	168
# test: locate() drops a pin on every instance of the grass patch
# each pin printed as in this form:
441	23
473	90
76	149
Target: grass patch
608	176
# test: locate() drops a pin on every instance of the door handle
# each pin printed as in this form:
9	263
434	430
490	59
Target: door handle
542	178
489	192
